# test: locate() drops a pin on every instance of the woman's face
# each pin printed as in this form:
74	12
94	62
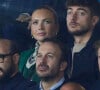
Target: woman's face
43	25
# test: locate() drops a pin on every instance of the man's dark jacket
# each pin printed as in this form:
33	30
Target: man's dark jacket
85	66
16	83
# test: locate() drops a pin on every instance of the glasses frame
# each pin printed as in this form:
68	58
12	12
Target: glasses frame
3	56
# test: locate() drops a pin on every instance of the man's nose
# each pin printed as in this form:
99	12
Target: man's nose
44	59
74	16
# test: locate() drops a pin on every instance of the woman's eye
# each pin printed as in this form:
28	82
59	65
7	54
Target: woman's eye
34	22
48	21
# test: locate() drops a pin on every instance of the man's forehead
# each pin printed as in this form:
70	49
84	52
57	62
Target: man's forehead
78	7
5	44
49	46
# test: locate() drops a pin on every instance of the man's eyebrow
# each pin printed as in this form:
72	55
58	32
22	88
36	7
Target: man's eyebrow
83	9
78	9
69	8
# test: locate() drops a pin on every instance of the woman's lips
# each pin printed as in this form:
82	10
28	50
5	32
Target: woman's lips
41	34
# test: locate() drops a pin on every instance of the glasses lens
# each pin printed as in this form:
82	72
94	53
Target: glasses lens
2	56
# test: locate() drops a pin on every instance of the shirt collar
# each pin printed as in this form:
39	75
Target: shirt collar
59	83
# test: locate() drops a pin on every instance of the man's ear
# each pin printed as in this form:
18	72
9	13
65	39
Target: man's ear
95	20
63	66
16	58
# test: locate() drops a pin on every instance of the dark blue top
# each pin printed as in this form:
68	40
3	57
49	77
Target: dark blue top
16	83
95	86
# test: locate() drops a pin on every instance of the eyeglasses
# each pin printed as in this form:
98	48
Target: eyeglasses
3	56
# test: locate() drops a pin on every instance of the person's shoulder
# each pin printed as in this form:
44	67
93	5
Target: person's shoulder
24	57
26	85
35	87
96	85
26	53
29	83
22	83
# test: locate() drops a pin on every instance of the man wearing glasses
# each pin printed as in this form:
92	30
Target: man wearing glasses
10	78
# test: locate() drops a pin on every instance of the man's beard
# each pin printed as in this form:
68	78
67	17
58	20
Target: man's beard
49	77
6	75
79	33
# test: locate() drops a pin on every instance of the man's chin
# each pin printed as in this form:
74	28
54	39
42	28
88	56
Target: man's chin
42	75
4	77
45	77
78	33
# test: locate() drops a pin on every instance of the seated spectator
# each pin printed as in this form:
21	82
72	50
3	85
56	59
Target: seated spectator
81	19
44	24
51	62
10	78
72	86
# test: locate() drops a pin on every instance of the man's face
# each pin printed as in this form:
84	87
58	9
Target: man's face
43	24
48	61
6	64
79	20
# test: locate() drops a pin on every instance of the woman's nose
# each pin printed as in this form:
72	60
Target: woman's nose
40	26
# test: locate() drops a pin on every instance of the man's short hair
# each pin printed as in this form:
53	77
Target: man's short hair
13	46
62	46
93	5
